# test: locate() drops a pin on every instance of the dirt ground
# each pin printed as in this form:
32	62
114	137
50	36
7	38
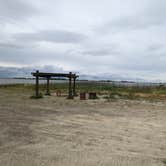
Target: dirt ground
54	131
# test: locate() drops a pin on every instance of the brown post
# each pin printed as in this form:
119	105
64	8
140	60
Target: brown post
74	86
70	87
37	84
48	86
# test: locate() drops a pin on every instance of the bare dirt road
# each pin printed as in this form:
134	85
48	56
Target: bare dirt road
57	132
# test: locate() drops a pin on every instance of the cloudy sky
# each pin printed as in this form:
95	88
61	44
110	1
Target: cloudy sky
122	37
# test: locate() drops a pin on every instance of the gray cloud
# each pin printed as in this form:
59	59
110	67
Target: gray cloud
8	72
9	45
15	9
155	48
14	55
101	52
56	36
129	23
154	15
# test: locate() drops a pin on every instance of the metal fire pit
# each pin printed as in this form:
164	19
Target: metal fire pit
92	95
83	96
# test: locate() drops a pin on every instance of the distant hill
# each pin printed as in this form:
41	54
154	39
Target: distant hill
25	72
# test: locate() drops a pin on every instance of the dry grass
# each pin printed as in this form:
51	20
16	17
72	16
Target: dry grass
55	131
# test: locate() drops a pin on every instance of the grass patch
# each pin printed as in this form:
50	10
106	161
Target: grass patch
114	92
164	161
37	97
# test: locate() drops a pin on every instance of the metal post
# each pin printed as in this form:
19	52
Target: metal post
48	86
70	88
37	84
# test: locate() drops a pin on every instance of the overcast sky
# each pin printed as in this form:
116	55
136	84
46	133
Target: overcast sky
123	37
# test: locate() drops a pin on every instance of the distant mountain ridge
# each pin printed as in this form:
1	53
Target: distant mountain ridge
25	72
14	72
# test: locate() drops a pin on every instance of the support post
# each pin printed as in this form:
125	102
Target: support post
48	86
70	96
37	84
74	86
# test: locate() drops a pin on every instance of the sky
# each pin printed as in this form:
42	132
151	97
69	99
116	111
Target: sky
112	37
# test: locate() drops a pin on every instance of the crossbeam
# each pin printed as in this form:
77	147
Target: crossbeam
39	74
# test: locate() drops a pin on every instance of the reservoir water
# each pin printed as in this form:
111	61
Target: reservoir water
8	81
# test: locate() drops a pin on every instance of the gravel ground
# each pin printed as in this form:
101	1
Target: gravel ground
56	131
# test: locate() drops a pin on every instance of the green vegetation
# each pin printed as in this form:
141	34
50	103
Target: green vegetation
105	89
164	161
37	97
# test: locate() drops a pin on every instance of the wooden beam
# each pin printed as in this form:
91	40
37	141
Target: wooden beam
37	84
74	87
53	74
48	86
70	96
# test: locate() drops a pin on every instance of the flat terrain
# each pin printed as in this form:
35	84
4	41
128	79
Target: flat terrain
54	131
